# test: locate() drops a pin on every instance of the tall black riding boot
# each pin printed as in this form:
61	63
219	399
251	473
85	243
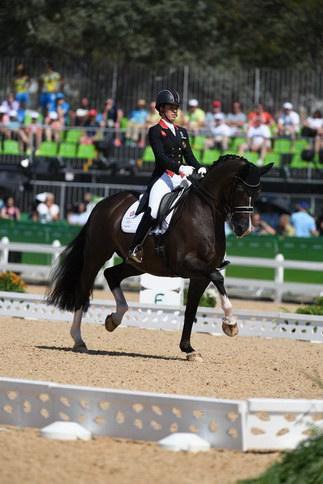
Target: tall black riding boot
136	252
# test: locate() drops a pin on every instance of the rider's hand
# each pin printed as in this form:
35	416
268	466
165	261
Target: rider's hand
186	170
202	171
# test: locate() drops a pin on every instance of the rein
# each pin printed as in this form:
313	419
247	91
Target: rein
211	200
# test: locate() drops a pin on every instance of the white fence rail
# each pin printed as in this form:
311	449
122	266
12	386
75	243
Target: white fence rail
225	424
278	286
208	320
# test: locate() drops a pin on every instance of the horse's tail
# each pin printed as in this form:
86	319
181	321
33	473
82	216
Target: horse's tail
64	277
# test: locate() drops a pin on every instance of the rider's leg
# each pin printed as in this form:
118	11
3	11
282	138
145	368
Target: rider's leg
162	186
146	223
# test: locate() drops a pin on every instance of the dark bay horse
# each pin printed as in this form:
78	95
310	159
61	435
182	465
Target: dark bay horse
195	246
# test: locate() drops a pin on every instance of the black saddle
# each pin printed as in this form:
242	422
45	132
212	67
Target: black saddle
170	202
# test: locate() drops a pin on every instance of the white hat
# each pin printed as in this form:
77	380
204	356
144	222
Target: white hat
34	114
193	102
12	113
287	106
3	109
219	116
53	115
81	112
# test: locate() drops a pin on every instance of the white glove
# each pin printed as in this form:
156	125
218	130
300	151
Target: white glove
202	171
186	170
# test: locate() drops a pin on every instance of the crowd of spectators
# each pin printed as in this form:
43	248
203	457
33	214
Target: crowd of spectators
256	130
54	114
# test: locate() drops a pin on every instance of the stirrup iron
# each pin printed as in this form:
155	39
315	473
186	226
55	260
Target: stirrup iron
136	254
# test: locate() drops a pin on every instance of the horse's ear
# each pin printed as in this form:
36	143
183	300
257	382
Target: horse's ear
265	169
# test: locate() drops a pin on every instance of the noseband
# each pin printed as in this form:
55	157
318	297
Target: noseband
249	189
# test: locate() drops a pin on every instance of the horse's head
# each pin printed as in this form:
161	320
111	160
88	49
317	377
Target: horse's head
244	190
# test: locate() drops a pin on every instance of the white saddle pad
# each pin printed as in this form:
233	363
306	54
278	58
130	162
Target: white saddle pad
130	221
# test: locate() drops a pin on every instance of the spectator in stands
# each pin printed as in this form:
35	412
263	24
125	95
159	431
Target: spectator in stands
153	116
92	130
318	145
80	117
53	127
10	104
78	215
259	112
111	118
312	125
288	122
220	134
62	108
16	132
284	228
216	108
236	120
260	227
20	84
4	118
50	83
319	224
303	222
136	125
34	131
9	210
258	140
195	117
47	210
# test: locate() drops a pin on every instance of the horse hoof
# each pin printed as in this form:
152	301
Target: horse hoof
81	348
194	357
110	325
230	329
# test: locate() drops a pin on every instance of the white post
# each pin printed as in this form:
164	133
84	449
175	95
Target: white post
279	276
4	254
56	253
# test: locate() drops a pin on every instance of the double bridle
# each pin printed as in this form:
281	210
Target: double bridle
228	211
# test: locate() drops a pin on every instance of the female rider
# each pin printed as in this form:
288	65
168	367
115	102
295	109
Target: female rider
170	144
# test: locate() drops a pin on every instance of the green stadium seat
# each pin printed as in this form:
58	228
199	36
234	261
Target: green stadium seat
47	148
124	123
198	142
10	147
73	136
282	145
67	150
236	142
209	156
300	145
251	156
148	155
273	157
86	151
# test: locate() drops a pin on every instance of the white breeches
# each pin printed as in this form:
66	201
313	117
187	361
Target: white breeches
163	185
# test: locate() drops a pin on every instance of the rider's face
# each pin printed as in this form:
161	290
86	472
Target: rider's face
170	112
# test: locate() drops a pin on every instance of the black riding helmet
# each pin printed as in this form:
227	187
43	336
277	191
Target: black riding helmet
167	97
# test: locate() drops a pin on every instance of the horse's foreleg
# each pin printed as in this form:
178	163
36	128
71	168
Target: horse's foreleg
229	323
75	332
114	275
195	291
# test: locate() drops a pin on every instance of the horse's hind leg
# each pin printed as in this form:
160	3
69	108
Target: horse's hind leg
75	332
114	275
229	323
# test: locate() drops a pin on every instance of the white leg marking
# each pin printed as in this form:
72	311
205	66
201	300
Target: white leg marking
227	309
76	328
122	306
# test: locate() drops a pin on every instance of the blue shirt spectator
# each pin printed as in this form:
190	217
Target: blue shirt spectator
303	222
